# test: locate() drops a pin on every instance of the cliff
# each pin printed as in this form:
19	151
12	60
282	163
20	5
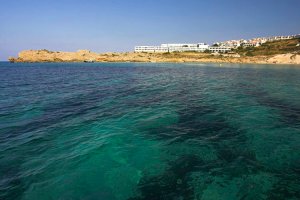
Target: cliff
88	56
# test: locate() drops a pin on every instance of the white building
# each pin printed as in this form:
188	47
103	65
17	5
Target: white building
248	44
152	49
220	49
199	47
185	47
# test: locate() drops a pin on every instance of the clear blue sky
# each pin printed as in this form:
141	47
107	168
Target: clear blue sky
119	25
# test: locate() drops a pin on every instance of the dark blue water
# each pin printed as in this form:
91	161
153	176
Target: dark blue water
149	131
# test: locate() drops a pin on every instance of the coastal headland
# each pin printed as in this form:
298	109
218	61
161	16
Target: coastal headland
279	52
177	57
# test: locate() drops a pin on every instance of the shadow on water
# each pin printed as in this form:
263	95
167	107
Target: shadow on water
11	186
197	121
286	188
173	183
207	124
12	183
62	110
290	114
202	123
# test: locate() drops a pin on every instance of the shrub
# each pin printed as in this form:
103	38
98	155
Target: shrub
249	53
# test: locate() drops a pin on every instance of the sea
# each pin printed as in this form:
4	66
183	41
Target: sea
149	131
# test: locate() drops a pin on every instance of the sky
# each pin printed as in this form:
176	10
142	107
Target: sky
119	25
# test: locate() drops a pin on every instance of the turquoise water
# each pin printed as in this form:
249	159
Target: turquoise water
149	131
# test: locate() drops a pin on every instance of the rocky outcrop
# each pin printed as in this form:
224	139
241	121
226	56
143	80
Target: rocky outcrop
289	58
88	56
53	56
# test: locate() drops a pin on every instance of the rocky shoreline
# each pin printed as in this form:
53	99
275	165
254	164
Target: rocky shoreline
176	57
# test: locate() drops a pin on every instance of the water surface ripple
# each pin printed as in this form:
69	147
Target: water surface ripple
149	131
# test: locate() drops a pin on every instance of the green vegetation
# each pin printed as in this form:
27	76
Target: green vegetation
47	51
249	53
271	48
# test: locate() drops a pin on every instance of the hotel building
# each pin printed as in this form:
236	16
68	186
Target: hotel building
221	49
199	47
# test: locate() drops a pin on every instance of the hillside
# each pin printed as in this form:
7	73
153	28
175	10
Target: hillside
88	56
272	48
279	52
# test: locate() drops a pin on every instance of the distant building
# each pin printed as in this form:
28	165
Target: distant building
255	42
199	47
220	49
248	44
151	49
